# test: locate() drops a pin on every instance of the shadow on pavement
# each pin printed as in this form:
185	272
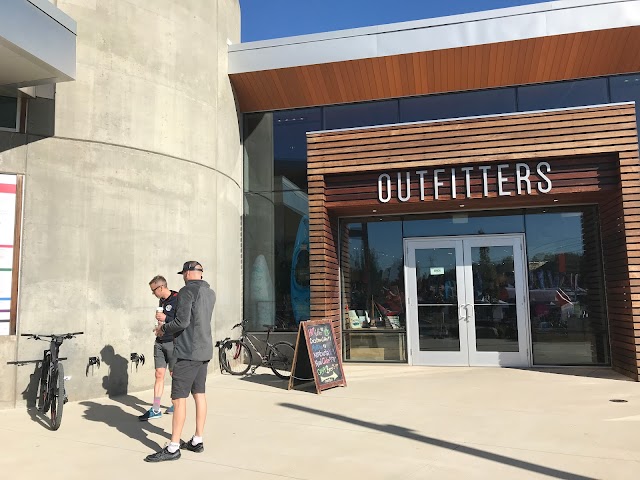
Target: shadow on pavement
412	435
266	379
601	372
126	423
116	385
30	395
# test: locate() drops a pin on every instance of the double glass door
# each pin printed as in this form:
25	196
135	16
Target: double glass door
466	301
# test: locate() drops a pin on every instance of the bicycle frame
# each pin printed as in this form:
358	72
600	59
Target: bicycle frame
52	393
247	337
53	354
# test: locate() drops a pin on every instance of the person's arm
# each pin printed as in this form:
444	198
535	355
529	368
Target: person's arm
183	313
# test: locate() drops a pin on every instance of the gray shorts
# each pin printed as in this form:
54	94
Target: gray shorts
189	376
163	355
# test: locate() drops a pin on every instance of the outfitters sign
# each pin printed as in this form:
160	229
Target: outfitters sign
466	182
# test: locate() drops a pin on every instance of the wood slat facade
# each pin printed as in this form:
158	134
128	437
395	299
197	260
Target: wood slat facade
521	62
593	159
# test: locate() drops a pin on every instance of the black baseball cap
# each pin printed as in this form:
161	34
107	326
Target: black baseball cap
190	265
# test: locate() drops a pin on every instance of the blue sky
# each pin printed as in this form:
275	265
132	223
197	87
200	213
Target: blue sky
264	19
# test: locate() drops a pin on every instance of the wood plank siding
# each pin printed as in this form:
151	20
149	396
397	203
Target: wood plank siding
593	158
520	62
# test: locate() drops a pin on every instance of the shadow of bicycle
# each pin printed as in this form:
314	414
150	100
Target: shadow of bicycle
30	396
266	379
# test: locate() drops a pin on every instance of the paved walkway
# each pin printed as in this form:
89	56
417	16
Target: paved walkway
390	422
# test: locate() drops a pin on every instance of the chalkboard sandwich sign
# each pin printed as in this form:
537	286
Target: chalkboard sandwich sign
316	358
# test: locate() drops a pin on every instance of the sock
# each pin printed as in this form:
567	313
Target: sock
196	440
156	404
173	447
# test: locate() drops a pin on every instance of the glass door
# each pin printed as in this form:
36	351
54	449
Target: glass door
495	301
466	301
436	317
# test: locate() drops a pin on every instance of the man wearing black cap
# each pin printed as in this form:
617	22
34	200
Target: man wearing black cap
193	349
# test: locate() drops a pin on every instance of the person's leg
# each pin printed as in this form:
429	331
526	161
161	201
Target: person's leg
201	413
171	361
179	416
184	373
158	388
199	396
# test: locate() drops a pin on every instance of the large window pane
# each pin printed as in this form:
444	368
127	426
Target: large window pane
577	93
568	318
452	105
494	299
361	114
372	269
258	152
626	88
290	129
276	261
8	112
462	224
437	297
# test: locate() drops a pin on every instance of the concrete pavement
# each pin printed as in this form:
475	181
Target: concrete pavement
390	422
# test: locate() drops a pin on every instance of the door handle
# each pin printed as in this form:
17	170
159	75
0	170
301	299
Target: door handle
466	310
464	317
461	315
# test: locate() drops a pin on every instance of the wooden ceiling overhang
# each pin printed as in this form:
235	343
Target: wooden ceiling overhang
534	60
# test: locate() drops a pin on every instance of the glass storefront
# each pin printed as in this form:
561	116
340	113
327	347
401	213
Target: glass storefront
568	322
275	226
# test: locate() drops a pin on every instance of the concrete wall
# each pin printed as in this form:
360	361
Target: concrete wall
144	172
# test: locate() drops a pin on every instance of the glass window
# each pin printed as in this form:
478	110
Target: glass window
568	317
290	144
373	292
258	152
462	224
626	88
276	222
8	112
361	114
276	261
577	93
452	105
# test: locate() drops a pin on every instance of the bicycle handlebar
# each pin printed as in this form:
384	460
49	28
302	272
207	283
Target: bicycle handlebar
244	322
36	336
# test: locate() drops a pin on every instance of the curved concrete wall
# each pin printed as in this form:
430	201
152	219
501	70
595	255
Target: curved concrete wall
144	172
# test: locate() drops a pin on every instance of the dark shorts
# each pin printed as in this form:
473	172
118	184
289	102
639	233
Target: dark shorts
163	355
189	376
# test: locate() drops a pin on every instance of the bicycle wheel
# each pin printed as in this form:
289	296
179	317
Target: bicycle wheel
235	357
43	393
280	359
57	397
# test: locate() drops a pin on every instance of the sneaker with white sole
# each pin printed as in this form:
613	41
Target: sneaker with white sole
149	414
169	410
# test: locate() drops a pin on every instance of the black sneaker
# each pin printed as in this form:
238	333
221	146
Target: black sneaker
199	448
163	455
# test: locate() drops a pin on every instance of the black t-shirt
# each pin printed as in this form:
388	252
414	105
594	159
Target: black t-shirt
169	309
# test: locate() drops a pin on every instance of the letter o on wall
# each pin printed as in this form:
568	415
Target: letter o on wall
387	179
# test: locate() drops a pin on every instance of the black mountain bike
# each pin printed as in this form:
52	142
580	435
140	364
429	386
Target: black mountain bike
51	394
236	356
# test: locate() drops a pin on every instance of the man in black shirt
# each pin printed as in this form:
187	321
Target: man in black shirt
163	347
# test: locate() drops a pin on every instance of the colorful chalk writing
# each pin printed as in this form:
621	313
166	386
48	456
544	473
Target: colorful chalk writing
317	357
323	353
